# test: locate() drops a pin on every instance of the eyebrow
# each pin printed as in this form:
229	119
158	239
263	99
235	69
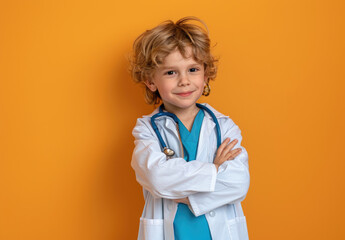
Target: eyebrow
172	67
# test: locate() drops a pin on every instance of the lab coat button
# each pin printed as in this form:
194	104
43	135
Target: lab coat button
169	206
212	214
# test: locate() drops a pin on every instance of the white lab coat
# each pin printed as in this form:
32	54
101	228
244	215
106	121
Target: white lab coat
215	194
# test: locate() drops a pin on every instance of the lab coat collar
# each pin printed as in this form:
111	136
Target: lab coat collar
216	113
207	126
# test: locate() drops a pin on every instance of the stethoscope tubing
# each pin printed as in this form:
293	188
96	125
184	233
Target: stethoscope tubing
155	128
219	138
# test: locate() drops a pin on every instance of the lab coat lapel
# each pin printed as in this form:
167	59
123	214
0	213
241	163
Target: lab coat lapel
172	139
170	124
206	139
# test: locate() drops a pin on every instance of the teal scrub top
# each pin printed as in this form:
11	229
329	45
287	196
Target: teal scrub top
186	225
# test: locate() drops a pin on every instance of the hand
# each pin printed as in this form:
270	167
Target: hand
182	200
224	152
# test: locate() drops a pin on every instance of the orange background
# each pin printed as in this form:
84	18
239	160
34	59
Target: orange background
68	107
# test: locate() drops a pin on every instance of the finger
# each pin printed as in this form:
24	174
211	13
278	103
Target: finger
228	148
233	143
234	153
222	146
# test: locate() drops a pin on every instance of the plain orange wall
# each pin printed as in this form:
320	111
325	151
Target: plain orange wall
68	107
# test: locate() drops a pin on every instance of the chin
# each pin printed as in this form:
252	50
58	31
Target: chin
184	106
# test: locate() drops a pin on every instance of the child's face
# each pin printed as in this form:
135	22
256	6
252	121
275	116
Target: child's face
180	81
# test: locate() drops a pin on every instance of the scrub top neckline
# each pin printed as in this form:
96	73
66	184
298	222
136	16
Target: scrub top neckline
190	139
185	130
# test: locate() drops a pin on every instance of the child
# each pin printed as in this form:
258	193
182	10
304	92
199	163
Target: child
188	157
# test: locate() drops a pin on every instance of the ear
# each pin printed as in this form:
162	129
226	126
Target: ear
206	80
150	84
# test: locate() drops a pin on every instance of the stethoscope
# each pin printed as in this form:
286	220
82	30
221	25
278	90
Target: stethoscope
168	151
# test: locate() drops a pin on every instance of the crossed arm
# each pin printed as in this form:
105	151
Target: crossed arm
203	186
224	153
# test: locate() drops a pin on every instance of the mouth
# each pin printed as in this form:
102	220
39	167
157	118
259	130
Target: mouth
184	94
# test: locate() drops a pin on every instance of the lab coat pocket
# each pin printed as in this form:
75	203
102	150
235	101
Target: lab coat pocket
151	229
238	228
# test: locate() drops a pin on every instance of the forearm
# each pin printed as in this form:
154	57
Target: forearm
231	186
173	178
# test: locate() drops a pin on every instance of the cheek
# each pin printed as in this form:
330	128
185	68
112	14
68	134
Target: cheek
202	83
164	88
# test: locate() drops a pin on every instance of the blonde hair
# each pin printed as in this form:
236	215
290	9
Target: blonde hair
152	46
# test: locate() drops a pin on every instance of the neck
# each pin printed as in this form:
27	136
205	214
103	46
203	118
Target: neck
186	115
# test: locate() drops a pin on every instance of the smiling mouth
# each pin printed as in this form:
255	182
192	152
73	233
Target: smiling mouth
184	94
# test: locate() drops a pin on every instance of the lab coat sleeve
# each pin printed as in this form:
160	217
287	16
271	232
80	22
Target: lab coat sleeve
173	178
232	182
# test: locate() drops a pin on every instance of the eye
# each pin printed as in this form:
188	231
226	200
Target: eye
170	72
193	69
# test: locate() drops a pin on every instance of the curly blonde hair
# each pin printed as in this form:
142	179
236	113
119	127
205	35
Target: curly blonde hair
152	46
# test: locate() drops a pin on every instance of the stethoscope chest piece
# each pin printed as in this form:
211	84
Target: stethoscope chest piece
169	152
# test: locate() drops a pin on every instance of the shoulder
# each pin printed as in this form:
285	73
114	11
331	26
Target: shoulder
222	119
215	112
226	124
143	126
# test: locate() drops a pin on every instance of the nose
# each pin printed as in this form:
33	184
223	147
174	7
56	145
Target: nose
183	80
